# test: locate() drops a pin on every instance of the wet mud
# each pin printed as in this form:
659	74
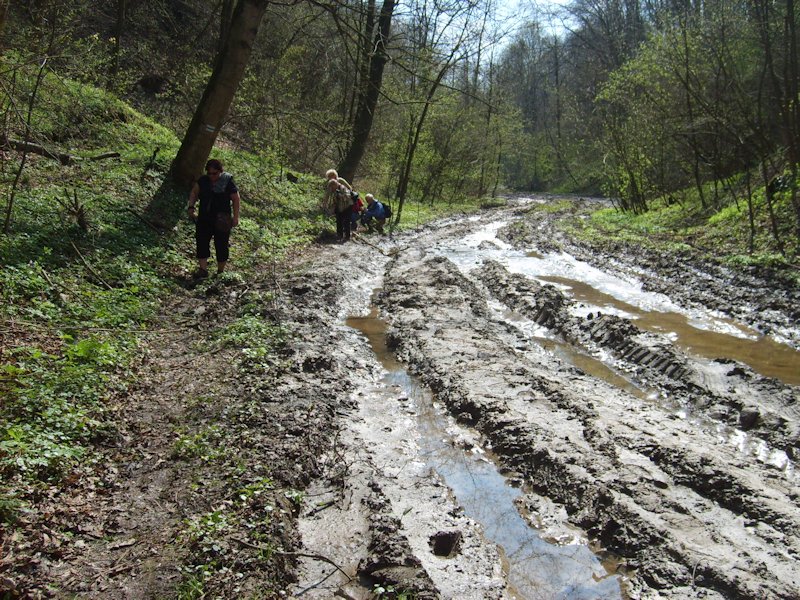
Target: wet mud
690	483
635	465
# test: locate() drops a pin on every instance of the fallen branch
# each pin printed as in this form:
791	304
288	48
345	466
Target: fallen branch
322	507
297	554
52	283
91	269
315	557
359	238
105	155
64	159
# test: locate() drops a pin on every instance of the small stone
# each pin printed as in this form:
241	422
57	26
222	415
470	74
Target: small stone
748	418
446	543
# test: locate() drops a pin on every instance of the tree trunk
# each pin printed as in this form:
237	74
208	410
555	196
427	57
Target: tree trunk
768	196
792	110
362	68
119	28
487	152
3	13
228	71
368	96
784	100
405	175
562	166
692	133
225	21
751	216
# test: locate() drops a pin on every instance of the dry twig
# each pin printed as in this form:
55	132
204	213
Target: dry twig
91	269
324	559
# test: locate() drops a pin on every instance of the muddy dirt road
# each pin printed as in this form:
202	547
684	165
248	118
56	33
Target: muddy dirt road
645	430
480	409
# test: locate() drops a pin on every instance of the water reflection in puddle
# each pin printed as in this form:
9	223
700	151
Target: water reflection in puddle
536	568
594	367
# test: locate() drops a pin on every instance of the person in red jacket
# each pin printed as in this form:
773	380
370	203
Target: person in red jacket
358	208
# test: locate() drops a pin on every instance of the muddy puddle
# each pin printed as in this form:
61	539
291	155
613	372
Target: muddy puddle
703	334
538	564
762	353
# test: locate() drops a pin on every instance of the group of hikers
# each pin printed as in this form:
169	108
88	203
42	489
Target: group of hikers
218	212
349	209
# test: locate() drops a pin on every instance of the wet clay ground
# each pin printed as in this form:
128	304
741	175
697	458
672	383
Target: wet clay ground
676	465
361	460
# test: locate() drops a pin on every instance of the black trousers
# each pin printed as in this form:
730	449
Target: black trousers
343	223
204	232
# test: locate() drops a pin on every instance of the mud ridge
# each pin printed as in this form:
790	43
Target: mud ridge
391	560
448	347
651	359
547	306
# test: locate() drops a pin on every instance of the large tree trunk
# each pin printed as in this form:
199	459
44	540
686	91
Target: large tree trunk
225	22
228	72
368	96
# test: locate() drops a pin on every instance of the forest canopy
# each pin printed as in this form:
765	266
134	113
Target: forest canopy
686	103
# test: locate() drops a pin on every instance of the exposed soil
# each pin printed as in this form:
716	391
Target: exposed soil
305	479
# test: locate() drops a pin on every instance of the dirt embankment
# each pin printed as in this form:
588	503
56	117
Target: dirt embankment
297	472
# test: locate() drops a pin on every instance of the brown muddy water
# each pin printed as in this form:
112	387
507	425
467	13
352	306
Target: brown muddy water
585	362
762	353
701	333
564	568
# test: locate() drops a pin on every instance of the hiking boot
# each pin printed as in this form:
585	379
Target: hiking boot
200	274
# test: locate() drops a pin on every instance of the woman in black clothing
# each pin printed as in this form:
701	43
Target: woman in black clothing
218	214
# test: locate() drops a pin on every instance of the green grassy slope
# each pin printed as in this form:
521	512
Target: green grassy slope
92	249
